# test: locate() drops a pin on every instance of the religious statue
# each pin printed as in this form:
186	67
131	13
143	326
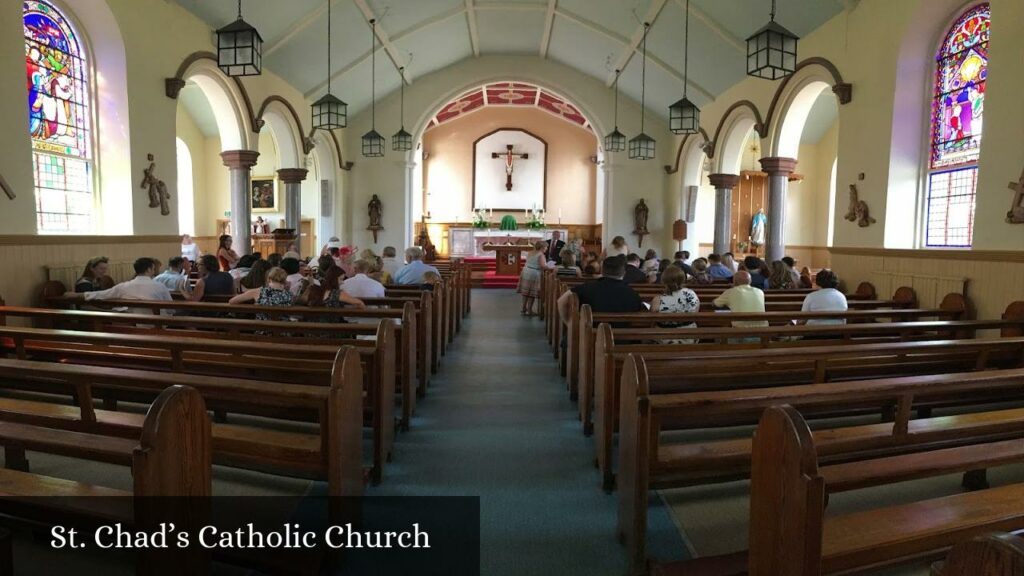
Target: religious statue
858	210
423	241
158	194
640	221
374	209
510	159
1016	213
758	228
260	226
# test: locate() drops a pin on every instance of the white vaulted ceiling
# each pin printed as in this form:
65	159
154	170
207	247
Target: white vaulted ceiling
593	36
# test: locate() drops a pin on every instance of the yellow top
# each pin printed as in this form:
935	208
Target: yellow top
744	298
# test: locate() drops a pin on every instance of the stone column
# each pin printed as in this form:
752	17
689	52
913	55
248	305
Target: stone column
778	170
239	162
724	184
292	179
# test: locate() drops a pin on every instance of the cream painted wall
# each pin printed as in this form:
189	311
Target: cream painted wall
390	177
196	143
213	196
571	176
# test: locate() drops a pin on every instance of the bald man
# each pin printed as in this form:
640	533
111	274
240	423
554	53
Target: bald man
742	297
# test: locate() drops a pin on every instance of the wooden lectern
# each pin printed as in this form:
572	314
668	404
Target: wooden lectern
507	257
276	242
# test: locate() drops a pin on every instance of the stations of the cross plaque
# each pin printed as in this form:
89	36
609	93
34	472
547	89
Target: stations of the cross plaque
509	157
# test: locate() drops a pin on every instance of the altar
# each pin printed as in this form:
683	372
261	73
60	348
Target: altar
465	242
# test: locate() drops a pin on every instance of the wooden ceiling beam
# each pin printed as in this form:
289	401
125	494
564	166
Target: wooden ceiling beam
738	44
474	36
623	60
549	21
398	59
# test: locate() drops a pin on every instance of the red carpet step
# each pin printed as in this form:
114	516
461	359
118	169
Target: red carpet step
492	280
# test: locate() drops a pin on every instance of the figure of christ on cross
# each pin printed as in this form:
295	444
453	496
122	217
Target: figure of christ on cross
509	158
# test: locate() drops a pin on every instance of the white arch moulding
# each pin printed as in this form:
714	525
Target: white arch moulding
796	99
736	128
287	133
234	124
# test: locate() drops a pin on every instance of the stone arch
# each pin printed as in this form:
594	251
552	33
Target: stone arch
230	104
730	137
287	131
795	100
692	157
330	221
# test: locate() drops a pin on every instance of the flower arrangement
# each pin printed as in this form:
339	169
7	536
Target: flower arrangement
481	219
743	246
535	219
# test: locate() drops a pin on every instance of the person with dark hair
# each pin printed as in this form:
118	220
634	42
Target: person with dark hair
682	261
212	281
226	257
142	287
780	278
257	276
274	260
663	265
791	269
676	299
717	270
294	280
241	269
827	298
173	277
633	273
95	269
609	293
758	279
590	264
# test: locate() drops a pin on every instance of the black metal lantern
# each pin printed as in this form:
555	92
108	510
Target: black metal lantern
771	51
373	142
329	112
239	48
402	140
684	116
642	147
615	141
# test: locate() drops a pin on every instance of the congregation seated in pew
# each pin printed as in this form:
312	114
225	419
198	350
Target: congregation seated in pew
141	287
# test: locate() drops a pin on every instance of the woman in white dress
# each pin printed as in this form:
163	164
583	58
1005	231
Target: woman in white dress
529	278
618	247
189	249
676	299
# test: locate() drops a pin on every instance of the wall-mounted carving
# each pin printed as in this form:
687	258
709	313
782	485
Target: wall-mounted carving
158	194
1016	213
640	213
858	210
375	211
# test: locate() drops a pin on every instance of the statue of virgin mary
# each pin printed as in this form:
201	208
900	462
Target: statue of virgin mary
758	222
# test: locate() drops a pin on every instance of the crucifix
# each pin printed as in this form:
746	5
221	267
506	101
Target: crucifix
509	158
1016	213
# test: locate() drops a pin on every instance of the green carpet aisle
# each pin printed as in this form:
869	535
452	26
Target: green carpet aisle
497	423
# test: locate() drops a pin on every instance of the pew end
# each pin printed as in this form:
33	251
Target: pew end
636	431
997	554
787	497
905	297
174	454
1015	311
866	291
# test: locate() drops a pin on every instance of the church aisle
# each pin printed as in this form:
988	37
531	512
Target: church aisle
497	424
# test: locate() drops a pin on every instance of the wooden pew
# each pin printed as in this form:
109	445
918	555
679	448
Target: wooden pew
52	295
332	453
668	372
997	554
577	322
647	463
613	345
279	363
276	332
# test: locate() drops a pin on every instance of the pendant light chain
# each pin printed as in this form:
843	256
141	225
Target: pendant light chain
773	11
643	80
329	45
239	9
373	74
686	49
617	72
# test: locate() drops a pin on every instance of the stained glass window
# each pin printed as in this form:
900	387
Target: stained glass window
59	120
958	107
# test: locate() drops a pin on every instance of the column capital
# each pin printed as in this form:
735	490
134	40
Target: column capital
721	181
777	165
239	158
292	175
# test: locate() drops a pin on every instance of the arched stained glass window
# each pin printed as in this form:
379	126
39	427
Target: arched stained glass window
59	104
957	111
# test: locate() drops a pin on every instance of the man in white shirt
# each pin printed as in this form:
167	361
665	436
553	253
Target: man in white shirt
362	286
391	263
142	287
174	278
826	298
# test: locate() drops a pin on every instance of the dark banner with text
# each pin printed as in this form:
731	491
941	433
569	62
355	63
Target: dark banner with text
311	535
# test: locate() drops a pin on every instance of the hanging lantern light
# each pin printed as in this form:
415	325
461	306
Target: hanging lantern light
329	112
771	51
642	146
402	140
239	48
373	142
684	116
615	141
